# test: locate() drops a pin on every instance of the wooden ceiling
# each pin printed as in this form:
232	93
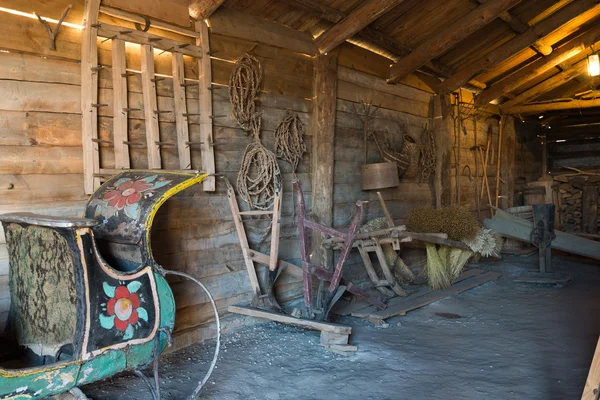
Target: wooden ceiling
528	56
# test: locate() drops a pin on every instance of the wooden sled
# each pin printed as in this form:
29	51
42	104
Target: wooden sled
88	300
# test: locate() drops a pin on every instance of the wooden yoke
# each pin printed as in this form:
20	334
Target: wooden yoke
310	269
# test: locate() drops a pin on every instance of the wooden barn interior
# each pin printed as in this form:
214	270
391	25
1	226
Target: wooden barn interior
362	199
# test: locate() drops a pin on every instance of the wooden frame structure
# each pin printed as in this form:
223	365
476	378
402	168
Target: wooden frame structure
119	36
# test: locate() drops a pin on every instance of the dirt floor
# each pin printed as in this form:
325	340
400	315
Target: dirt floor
506	341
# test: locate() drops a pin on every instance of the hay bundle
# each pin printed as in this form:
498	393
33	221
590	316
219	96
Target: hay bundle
424	219
458	223
485	243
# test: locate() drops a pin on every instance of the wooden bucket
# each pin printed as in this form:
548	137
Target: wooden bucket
379	176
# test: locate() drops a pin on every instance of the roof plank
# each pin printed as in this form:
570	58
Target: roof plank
568	50
449	37
356	21
580	12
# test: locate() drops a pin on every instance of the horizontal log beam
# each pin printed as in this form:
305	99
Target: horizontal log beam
449	37
543	107
578	12
131	17
538	67
201	9
349	26
549	84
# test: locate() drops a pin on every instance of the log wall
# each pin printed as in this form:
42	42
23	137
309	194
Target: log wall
41	154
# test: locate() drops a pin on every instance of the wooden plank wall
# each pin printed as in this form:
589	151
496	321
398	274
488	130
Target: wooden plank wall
41	154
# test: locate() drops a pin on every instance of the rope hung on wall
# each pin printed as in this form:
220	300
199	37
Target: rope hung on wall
259	174
244	83
289	140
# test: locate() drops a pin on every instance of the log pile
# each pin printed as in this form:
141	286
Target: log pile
573	209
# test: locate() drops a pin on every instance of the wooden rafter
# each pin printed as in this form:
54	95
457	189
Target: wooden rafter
554	106
578	12
512	21
547	85
202	9
449	37
538	67
353	23
377	40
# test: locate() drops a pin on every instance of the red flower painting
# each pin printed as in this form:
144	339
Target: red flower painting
123	306
127	193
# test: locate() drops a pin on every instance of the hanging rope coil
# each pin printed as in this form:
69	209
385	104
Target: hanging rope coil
259	173
289	140
244	83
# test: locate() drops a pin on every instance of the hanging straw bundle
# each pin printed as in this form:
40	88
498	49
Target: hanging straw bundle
289	140
244	83
427	154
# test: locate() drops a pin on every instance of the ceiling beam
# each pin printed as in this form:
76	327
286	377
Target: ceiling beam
359	19
538	67
202	9
512	21
580	11
555	106
449	37
557	80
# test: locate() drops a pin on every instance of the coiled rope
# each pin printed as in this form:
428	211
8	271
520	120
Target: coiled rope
244	83
259	171
289	140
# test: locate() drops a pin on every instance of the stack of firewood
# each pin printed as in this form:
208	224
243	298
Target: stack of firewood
570	196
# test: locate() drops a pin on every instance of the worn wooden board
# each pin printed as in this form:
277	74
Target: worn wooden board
286	319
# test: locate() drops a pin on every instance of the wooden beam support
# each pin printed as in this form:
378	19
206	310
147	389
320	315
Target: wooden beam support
323	128
551	83
509	151
556	106
181	122
443	126
538	67
206	108
150	107
353	23
202	9
89	96
578	12
119	78
449	37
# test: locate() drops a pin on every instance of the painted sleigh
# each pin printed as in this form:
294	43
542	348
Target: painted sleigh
88	300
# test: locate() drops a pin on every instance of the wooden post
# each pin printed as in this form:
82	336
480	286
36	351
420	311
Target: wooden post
509	151
89	96
589	214
119	78
442	124
499	163
181	122
150	107
206	109
323	129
